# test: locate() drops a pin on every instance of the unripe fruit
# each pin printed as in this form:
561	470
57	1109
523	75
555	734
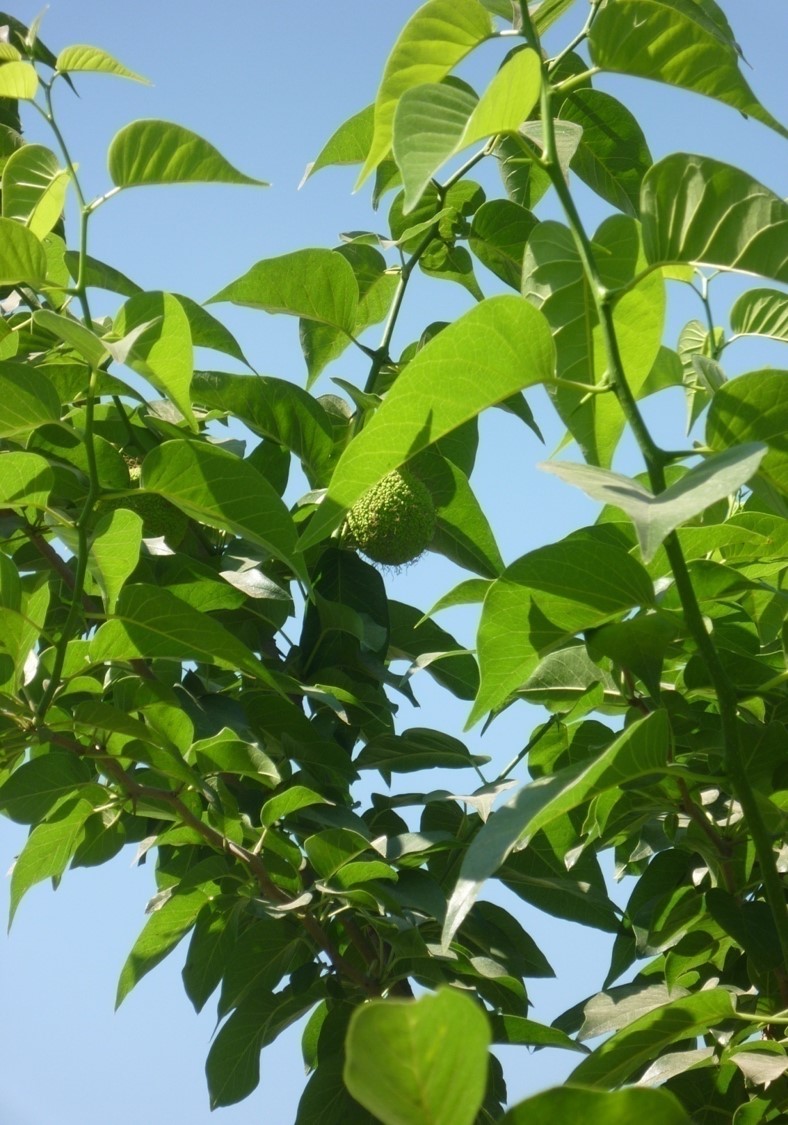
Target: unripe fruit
159	517
394	522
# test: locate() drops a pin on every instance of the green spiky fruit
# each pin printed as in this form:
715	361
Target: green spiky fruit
159	517
394	522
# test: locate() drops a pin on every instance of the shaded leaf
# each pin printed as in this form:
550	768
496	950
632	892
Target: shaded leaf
421	1062
217	488
642	749
754	408
655	517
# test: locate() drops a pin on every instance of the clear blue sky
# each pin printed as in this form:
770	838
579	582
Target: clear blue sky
267	83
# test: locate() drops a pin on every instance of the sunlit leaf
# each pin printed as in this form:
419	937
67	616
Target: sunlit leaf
114	552
81	57
315	284
28	400
162	351
620	1056
674	43
153	623
699	210
274	409
490	353
761	312
595	1107
34	188
22	257
49	848
612	156
348	145
158	152
217	488
433	41
18	80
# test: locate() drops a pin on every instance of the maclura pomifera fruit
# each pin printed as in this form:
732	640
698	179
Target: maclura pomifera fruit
394	521
159	517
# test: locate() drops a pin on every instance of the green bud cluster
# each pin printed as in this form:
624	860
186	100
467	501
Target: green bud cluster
393	522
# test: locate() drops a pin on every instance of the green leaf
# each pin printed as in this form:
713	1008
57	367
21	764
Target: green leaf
543	600
754	408
415	749
98	275
622	1055
642	749
158	152
612	156
169	922
433	41
163	351
321	343
655	517
32	790
283	804
509	98
155	624
555	281
761	312
676	43
34	188
29	400
114	552
208	332
498	236
77	335
267	950
217	488
226	753
421	640
595	1107
233	1064
48	849
349	144
81	57
25	480
463	533
314	284
498	348
22	257
699	210
18	80
274	409
209	952
419	1062
429	123
434	121
548	11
